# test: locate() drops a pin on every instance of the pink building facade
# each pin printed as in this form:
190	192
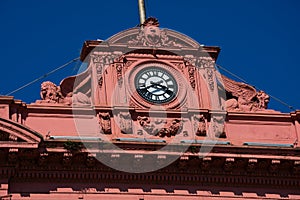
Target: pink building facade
149	118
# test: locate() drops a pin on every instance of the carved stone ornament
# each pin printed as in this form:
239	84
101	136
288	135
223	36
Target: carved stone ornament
125	122
102	61
152	35
51	93
210	79
218	127
200	62
199	125
243	97
104	121
160	127
119	67
192	80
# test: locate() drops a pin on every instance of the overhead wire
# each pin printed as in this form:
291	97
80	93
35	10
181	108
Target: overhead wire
243	80
43	76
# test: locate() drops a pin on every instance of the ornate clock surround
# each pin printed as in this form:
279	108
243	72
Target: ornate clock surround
182	85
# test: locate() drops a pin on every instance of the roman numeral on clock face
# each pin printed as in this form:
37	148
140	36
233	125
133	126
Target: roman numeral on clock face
156	85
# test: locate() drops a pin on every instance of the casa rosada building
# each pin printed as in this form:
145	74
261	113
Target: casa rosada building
150	117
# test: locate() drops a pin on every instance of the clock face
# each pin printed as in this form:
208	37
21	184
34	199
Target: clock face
156	85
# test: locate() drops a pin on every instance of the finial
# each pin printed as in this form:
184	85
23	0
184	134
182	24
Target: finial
142	11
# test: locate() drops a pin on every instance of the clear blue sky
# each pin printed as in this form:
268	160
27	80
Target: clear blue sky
259	39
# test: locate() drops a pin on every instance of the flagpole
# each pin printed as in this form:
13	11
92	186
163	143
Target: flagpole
142	11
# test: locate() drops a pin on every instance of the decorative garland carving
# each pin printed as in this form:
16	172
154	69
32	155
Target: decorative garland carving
104	121
159	127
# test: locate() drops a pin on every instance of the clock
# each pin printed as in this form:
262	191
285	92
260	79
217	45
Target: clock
156	85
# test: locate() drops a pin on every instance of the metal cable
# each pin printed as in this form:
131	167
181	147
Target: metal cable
243	80
43	76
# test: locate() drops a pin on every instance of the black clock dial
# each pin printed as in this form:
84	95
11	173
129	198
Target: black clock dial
156	85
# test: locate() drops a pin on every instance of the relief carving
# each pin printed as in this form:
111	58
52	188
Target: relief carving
192	80
199	125
151	35
218	126
210	79
119	67
125	122
102	61
160	127
243	97
206	63
104	121
179	65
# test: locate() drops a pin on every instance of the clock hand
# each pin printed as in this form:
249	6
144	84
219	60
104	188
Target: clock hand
155	85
